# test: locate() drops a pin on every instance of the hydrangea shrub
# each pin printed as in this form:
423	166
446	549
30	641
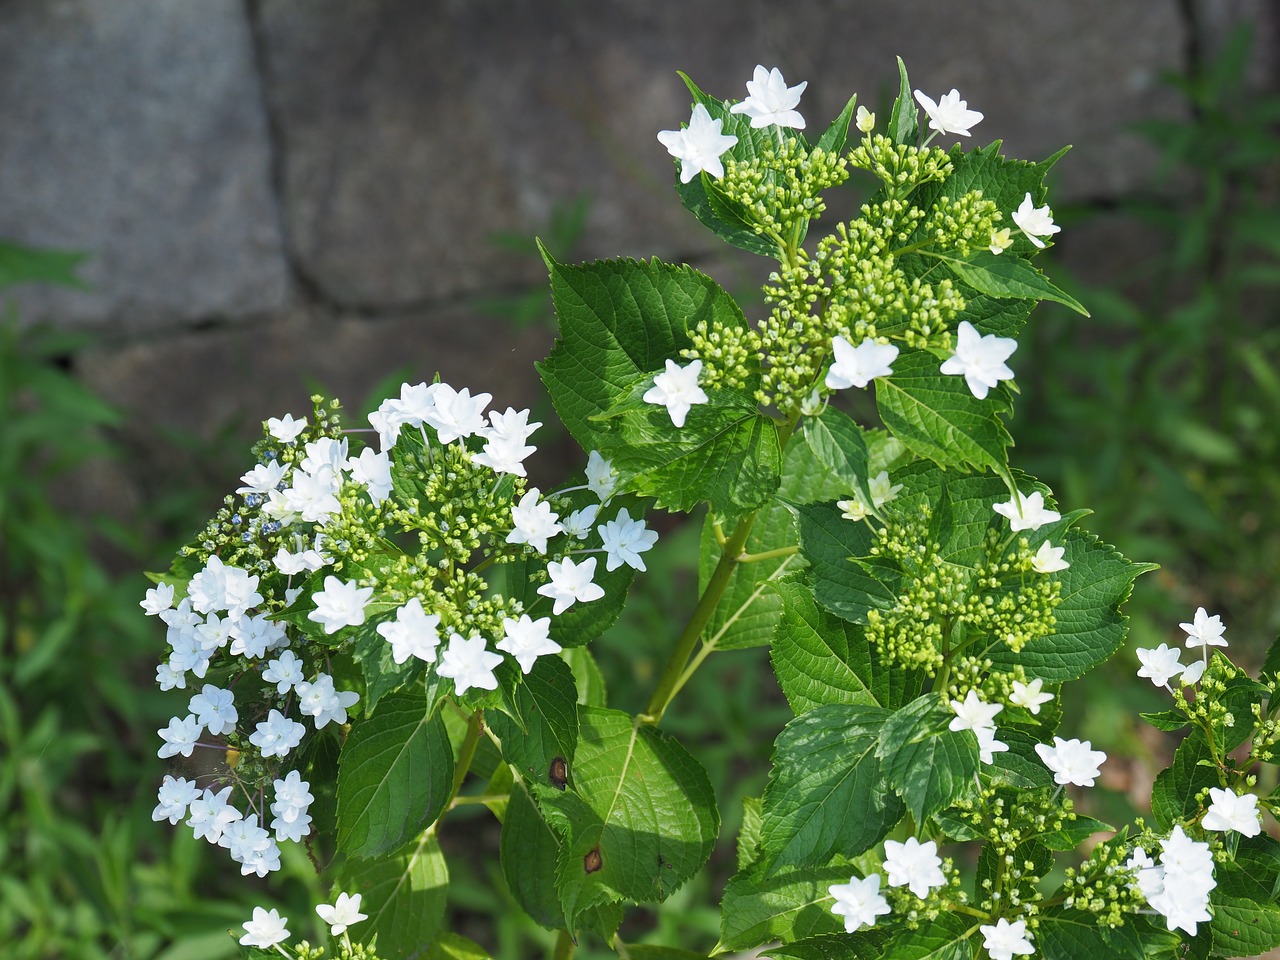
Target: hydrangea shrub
377	608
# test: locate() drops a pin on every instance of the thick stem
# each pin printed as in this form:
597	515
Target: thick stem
466	753
564	946
669	682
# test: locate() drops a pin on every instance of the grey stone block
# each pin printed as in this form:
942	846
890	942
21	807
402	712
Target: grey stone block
134	130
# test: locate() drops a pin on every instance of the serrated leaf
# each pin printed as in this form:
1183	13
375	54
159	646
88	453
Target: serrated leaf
1167	720
1254	873
904	121
938	418
821	659
619	319
838	444
825	792
1173	795
1071	934
403	896
829	543
394	776
836	135
639	820
1020	766
1089	627
929	765
1244	928
788	906
863	945
748	848
947	937
540	723
1007	276
1003	181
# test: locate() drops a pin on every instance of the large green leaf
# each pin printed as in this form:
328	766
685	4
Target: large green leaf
1173	795
1070	934
539	723
830	542
826	791
938	418
1244	928
926	763
947	937
639	820
394	776
820	659
838	444
1090	627
450	946
403	896
1007	276
582	622
904	120
788	906
863	945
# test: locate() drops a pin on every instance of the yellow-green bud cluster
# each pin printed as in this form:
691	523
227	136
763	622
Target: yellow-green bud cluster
729	354
1266	729
901	167
943	899
962	224
1008	600
1209	706
1103	886
346	951
781	188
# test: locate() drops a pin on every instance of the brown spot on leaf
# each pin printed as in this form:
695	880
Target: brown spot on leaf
592	861
559	773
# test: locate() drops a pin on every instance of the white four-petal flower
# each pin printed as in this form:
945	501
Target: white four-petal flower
950	114
698	146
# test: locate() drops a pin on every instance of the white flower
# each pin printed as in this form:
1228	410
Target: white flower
505	448
853	509
974	713
293	796
174	797
981	360
881	490
286	429
295	830
527	639
1193	673
413	633
325	452
214	709
169	678
858	366
1004	939
988	745
277	735
1159	665
218	588
266	929
321	701
340	604
455	413
534	522
677	389
864	120
950	114
1233	811
313	495
1035	222
159	599
1029	695
579	523
1179	889
859	901
1204	630
699	145
304	561
179	736
1048	559
1026	513
468	664
770	102
624	539
344	913
914	865
570	583
1072	761
254	636
1001	240
284	672
374	471
245	839
210	814
601	478
263	478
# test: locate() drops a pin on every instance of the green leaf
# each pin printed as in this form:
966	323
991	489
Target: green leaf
727	453
821	659
529	850
749	834
938	418
788	906
1020	766
1071	934
403	896
836	135
639	821
29	265
1173	795
838	444
947	937
1009	276
1167	720
904	122
619	319
450	946
582	622
863	945
1090	627
829	543
1244	928
826	790
928	765
1254	873
586	676
394	776
644	951
382	675
540	723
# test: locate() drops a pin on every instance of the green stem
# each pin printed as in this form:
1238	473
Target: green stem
669	682
466	753
768	554
564	946
479	798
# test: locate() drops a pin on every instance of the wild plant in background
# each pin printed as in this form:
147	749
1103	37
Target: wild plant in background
374	606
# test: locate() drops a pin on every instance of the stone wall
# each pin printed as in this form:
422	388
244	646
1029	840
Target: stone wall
285	194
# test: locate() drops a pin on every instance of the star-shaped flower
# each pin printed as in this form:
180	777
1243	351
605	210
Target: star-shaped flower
1026	513
174	797
320	700
344	913
286	429
974	713
571	582
914	865
698	146
677	389
980	360
1159	665
601	477
858	366
527	639
1072	761
159	599
1004	939
624	539
179	736
340	604
1204	630
277	735
1035	222
950	114
1048	559
770	102
373	469
859	901
534	522
468	663
413	633
266	929
455	413
1233	811
214	708
1029	696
